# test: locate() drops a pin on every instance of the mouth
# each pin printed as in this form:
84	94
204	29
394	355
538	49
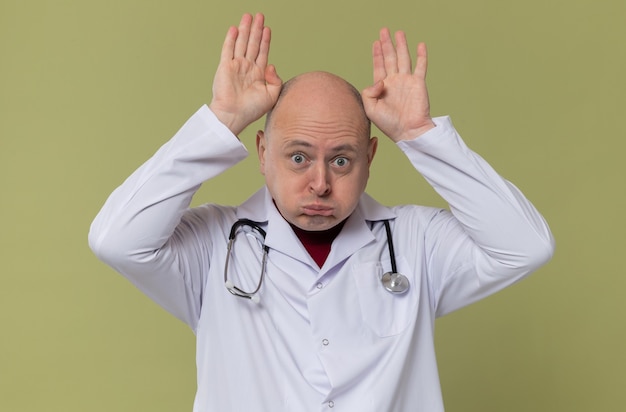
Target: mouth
317	210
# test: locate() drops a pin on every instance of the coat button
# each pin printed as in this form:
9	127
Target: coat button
325	342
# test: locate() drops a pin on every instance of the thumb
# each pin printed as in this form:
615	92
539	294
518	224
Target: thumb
271	77
374	91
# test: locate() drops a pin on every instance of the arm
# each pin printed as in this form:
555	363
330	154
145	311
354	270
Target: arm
138	231
494	235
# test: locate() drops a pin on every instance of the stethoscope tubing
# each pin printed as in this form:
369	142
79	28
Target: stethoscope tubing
392	252
393	281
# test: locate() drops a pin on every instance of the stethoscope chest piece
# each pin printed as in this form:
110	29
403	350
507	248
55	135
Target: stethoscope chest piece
395	282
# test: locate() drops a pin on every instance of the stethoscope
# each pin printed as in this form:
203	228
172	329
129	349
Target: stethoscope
393	282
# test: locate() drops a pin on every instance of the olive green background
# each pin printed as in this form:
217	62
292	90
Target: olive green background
90	89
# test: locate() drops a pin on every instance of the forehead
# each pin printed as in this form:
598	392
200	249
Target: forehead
319	109
310	132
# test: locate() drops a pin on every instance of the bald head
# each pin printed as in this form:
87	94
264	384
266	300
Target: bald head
316	151
321	89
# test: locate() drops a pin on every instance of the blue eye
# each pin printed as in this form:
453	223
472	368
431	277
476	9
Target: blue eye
341	161
298	158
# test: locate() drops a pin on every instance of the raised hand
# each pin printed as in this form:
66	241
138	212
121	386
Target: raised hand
398	102
245	87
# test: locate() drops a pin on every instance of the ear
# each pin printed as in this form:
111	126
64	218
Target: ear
260	149
371	150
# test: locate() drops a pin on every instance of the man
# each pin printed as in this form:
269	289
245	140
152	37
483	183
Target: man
330	328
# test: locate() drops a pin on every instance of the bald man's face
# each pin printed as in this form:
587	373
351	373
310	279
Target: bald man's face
316	153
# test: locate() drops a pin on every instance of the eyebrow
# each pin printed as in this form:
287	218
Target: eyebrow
304	143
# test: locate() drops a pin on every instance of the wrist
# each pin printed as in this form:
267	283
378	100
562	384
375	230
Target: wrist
228	119
416	132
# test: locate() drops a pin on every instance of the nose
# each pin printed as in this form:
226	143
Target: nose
320	180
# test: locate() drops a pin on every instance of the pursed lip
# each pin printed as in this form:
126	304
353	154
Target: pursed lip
317	210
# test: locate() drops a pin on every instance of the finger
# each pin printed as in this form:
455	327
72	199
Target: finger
241	44
389	52
421	65
402	51
378	62
264	48
256	35
228	48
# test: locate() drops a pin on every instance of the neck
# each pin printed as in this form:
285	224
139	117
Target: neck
318	243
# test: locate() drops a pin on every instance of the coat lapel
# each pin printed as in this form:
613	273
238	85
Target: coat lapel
355	234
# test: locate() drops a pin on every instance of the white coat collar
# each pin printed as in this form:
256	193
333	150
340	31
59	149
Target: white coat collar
355	234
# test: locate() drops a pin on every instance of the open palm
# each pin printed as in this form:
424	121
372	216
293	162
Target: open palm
398	102
245	87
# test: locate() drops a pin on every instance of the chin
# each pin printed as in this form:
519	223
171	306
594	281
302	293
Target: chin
316	223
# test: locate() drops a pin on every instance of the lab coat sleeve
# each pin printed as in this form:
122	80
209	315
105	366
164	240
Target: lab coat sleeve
491	237
138	231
